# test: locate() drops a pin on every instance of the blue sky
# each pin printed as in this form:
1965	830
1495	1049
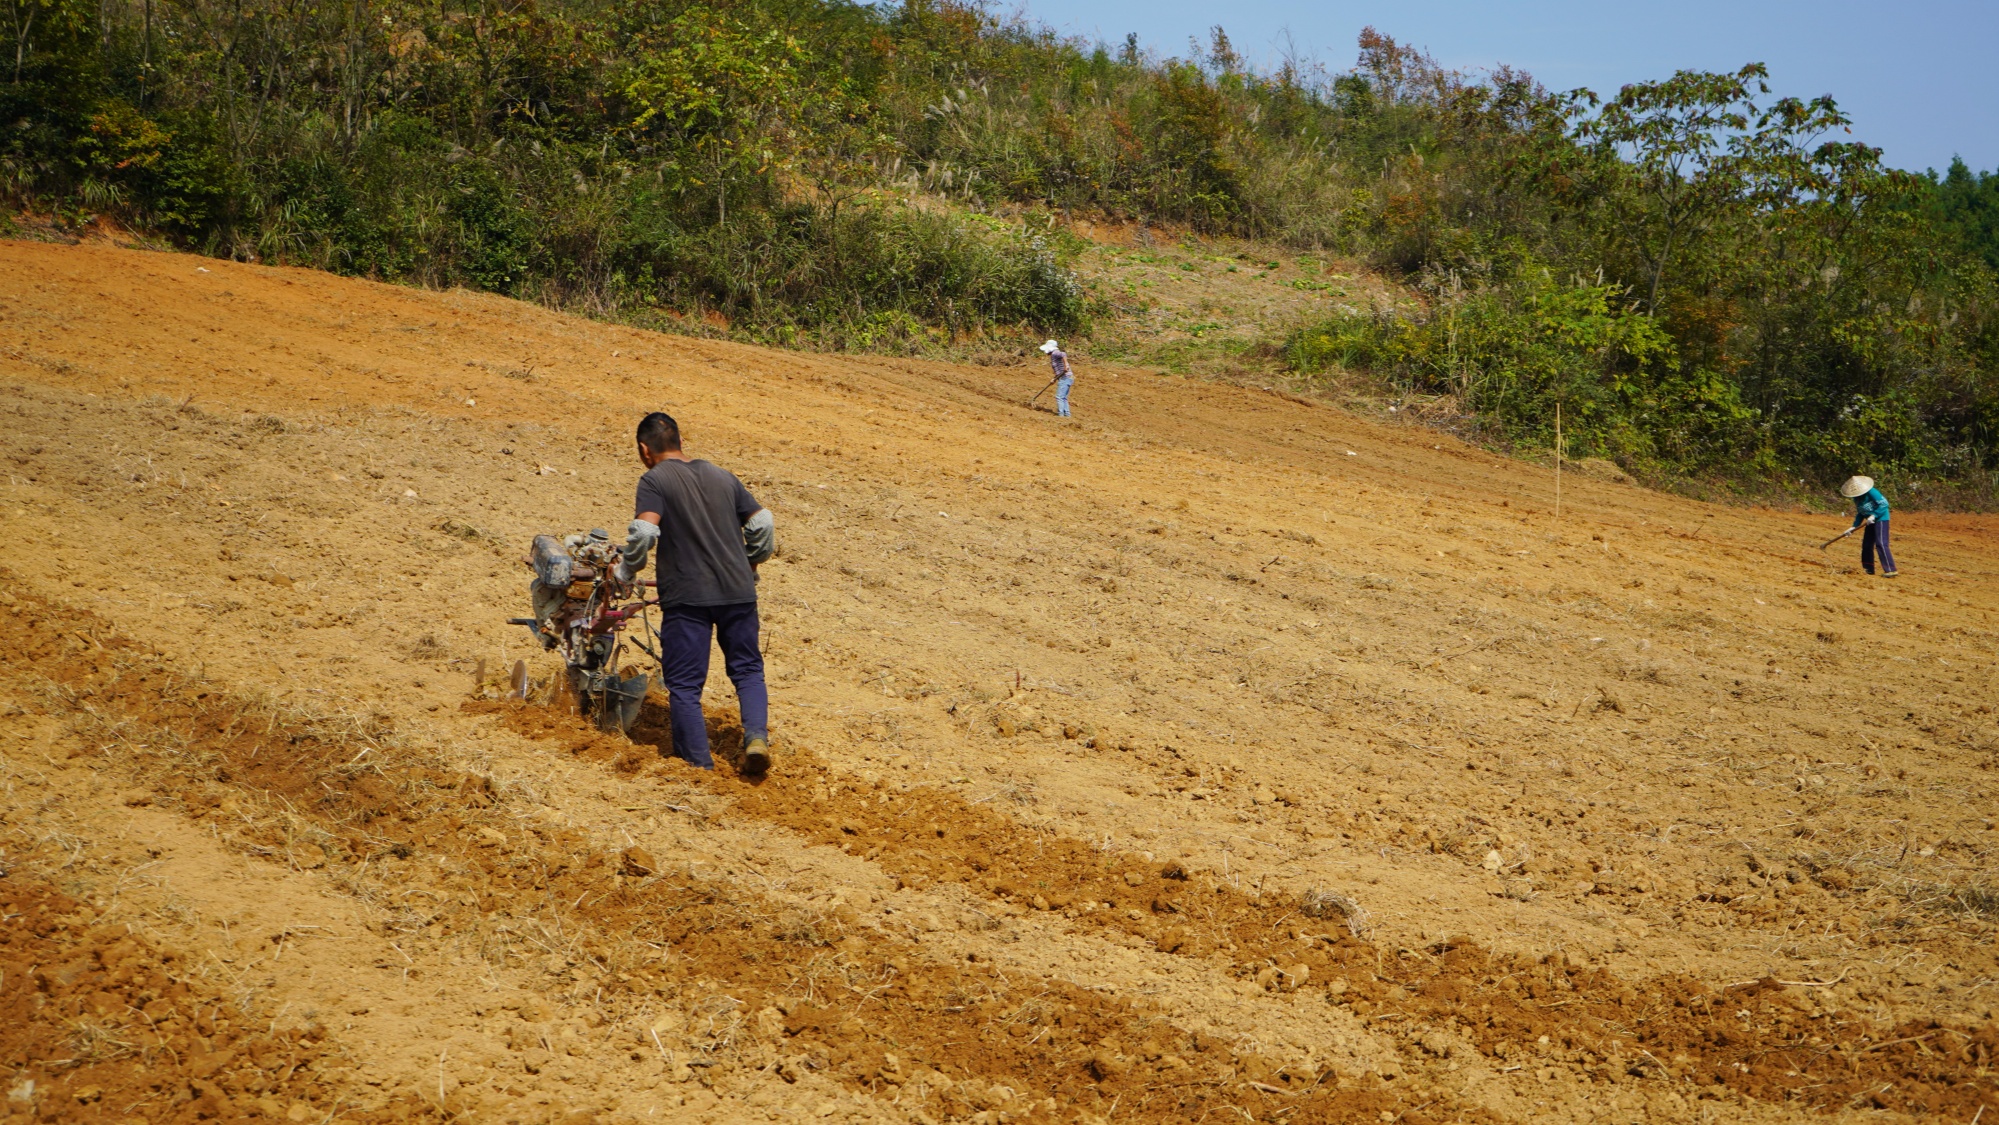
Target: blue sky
1919	79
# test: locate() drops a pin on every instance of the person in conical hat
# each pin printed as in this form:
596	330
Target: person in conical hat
1058	361
1870	514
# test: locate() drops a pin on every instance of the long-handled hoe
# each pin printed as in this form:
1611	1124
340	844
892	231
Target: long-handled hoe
1844	534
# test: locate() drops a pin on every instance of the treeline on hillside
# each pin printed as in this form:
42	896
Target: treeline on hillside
1704	278
1701	277
740	162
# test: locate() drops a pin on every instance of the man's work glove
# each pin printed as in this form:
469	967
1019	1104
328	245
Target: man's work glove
760	537
639	538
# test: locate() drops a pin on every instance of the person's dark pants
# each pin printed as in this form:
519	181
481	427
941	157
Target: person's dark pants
683	649
1875	538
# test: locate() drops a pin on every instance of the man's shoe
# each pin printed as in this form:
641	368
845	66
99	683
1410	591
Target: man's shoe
1887	574
756	757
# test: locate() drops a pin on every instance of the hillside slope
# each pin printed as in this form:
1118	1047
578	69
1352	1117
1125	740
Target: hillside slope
1217	306
1072	720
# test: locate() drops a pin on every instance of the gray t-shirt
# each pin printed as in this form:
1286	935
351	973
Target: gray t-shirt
702	508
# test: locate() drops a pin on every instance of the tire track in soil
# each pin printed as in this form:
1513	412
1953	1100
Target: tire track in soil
814	992
1756	1039
98	1024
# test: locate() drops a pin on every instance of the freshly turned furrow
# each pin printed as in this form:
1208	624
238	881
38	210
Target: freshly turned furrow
98	1023
811	991
1754	1039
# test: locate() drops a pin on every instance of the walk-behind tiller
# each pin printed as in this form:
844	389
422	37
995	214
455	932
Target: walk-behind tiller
582	605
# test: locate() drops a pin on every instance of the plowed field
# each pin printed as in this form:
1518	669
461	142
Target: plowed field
1210	756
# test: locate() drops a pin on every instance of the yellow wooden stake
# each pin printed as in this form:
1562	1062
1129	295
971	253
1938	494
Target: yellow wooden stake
1558	462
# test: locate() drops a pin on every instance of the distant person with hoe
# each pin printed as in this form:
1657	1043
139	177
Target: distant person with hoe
1058	360
712	535
1870	518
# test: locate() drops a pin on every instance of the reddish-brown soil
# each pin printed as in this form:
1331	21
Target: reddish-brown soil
98	1024
1213	755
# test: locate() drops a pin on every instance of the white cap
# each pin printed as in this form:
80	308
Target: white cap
1856	487
1051	346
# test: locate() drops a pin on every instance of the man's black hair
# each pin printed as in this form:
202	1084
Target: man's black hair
659	432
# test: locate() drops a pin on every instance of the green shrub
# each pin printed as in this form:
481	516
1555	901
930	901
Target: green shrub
1510	354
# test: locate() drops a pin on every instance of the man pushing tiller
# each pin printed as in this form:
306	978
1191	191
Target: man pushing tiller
712	535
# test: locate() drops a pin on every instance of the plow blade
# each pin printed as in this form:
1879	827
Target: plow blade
622	699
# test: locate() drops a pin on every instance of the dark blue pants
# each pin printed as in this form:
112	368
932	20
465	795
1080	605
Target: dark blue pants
683	648
1873	539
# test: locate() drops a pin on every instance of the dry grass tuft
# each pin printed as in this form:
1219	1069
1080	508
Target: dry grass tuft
1328	904
1981	900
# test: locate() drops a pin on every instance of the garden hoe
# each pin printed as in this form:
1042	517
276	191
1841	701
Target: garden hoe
1844	534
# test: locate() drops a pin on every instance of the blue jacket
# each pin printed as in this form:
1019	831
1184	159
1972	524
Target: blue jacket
1872	503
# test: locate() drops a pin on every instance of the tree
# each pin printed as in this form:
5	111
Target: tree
1674	136
841	156
53	21
1967	204
728	94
